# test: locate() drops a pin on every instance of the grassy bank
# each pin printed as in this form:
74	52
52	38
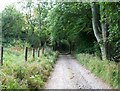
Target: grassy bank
106	70
18	74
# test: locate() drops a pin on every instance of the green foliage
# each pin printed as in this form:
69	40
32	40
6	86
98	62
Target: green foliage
28	27
60	25
15	54
106	70
15	74
12	23
35	82
10	82
71	23
109	14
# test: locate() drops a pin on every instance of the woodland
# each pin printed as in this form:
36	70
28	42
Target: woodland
88	31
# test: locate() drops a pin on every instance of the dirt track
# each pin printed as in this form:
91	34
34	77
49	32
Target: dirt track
69	74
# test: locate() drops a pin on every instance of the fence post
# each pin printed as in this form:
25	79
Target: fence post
1	55
26	53
38	52
33	52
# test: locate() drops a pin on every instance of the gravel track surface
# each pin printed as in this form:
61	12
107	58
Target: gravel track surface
69	74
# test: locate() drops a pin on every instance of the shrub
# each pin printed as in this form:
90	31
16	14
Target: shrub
35	82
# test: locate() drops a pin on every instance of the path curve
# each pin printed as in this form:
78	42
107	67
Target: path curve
69	74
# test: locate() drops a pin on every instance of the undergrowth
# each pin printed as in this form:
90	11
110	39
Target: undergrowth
18	74
106	70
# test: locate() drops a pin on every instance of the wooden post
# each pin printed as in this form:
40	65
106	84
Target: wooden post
45	47
38	52
33	52
26	53
43	51
1	55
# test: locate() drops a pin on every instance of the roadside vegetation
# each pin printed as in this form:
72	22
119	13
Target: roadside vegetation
107	70
16	73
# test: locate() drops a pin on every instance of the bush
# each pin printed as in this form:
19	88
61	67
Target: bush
10	82
35	82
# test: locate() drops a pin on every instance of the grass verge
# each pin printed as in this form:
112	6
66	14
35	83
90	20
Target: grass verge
106	70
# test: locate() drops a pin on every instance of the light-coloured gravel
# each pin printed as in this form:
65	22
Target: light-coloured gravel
69	74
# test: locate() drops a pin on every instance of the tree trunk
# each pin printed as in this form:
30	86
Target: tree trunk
103	51
95	22
104	43
101	38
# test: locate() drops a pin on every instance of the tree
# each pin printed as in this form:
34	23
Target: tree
105	26
71	22
12	22
112	17
101	37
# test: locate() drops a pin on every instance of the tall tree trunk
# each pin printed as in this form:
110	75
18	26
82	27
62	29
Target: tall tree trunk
101	38
95	22
104	43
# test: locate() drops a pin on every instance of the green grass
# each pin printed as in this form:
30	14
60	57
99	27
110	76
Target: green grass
18	74
106	70
15	54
